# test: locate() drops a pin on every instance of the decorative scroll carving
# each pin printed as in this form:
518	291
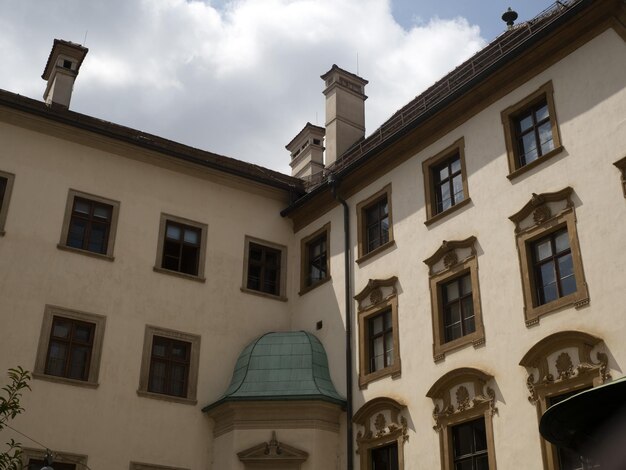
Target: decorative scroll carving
462	398
538	207
448	253
541	214
530	384
376	296
564	366
450	259
380	424
272	453
383	415
374	292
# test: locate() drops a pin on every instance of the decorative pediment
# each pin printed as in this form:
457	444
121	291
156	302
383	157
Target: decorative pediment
376	291
563	357
273	453
541	208
450	254
380	420
461	392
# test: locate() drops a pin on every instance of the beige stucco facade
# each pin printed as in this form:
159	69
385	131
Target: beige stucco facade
113	425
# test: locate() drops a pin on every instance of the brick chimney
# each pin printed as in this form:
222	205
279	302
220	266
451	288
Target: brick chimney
345	111
61	70
307	151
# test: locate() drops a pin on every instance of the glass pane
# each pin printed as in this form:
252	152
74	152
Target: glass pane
272	258
529	147
177	389
568	285
157	377
469	325
547	274
384	228
549	293
372	238
97	238
464	465
315	274
452	291
61	329
81	206
378	363
468	308
480	436
371	215
56	359
158	349
545	132
542	113
389	348
102	212
543	250
482	463
466	283
457	187
443	173
547	146
254	277
377	325
173	232
455	166
453	332
566	268
177	372
255	253
387	320
561	241
525	122
444	196
179	350
384	207
82	333
463	438
270	285
76	233
78	362
192	236
189	259
454	313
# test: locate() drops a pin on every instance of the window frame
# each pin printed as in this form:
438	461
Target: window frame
6	199
509	120
305	259
452	260
379	296
620	164
79	460
158	264
428	168
361	209
146	362
543	215
282	295
67	218
99	322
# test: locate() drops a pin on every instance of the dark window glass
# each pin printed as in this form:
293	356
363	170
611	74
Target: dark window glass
169	366
553	267
181	248
376	224
263	269
533	132
385	458
458	308
3	188
448	183
317	260
90	224
69	349
380	332
469	441
36	464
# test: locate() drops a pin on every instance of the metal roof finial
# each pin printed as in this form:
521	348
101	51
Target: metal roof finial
509	17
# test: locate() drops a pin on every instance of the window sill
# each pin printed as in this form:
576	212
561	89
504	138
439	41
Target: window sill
394	371
306	289
447	212
85	252
191	277
476	339
264	294
577	300
161	396
376	251
520	171
65	380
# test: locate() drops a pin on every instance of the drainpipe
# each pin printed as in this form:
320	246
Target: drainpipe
334	183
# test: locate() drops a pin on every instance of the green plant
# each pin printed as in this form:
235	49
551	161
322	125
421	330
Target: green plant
10	407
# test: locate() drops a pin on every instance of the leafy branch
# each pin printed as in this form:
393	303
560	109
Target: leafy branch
10	407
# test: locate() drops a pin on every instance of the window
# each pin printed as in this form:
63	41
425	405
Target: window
169	366
550	259
6	187
264	268
315	253
385	458
531	131
560	366
379	351
181	247
465	404
455	297
40	463
375	232
89	225
445	182
70	346
34	459
620	164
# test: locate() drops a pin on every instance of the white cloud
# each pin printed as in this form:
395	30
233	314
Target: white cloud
238	79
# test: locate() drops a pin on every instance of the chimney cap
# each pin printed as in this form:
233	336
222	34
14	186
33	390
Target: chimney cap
336	68
71	49
314	130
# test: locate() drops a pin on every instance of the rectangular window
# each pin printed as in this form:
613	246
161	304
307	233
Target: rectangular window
264	268
70	346
181	247
34	459
385	458
553	267
380	331
469	441
448	183
40	463
315	259
6	186
458	308
374	224
90	224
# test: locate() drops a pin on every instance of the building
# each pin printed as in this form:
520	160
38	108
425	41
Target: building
184	310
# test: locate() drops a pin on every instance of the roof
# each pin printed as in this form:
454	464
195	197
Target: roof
65	46
281	366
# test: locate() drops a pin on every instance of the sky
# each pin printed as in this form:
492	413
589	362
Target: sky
242	77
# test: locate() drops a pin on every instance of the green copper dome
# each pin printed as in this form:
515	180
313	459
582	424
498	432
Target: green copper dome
282	366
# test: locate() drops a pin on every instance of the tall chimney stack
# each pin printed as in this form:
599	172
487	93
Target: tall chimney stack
307	151
61	70
345	111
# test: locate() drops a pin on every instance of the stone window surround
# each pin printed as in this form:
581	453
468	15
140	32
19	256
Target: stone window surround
50	312
386	432
147	466
620	164
4	209
72	194
378	303
360	217
545	91
192	380
454	267
569	378
28	453
480	404
283	268
428	165
161	241
543	224
304	259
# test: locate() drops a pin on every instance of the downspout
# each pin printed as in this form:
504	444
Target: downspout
334	183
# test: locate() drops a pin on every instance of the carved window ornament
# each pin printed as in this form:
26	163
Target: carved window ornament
559	364
543	216
380	422
460	396
454	260
621	165
273	454
378	297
